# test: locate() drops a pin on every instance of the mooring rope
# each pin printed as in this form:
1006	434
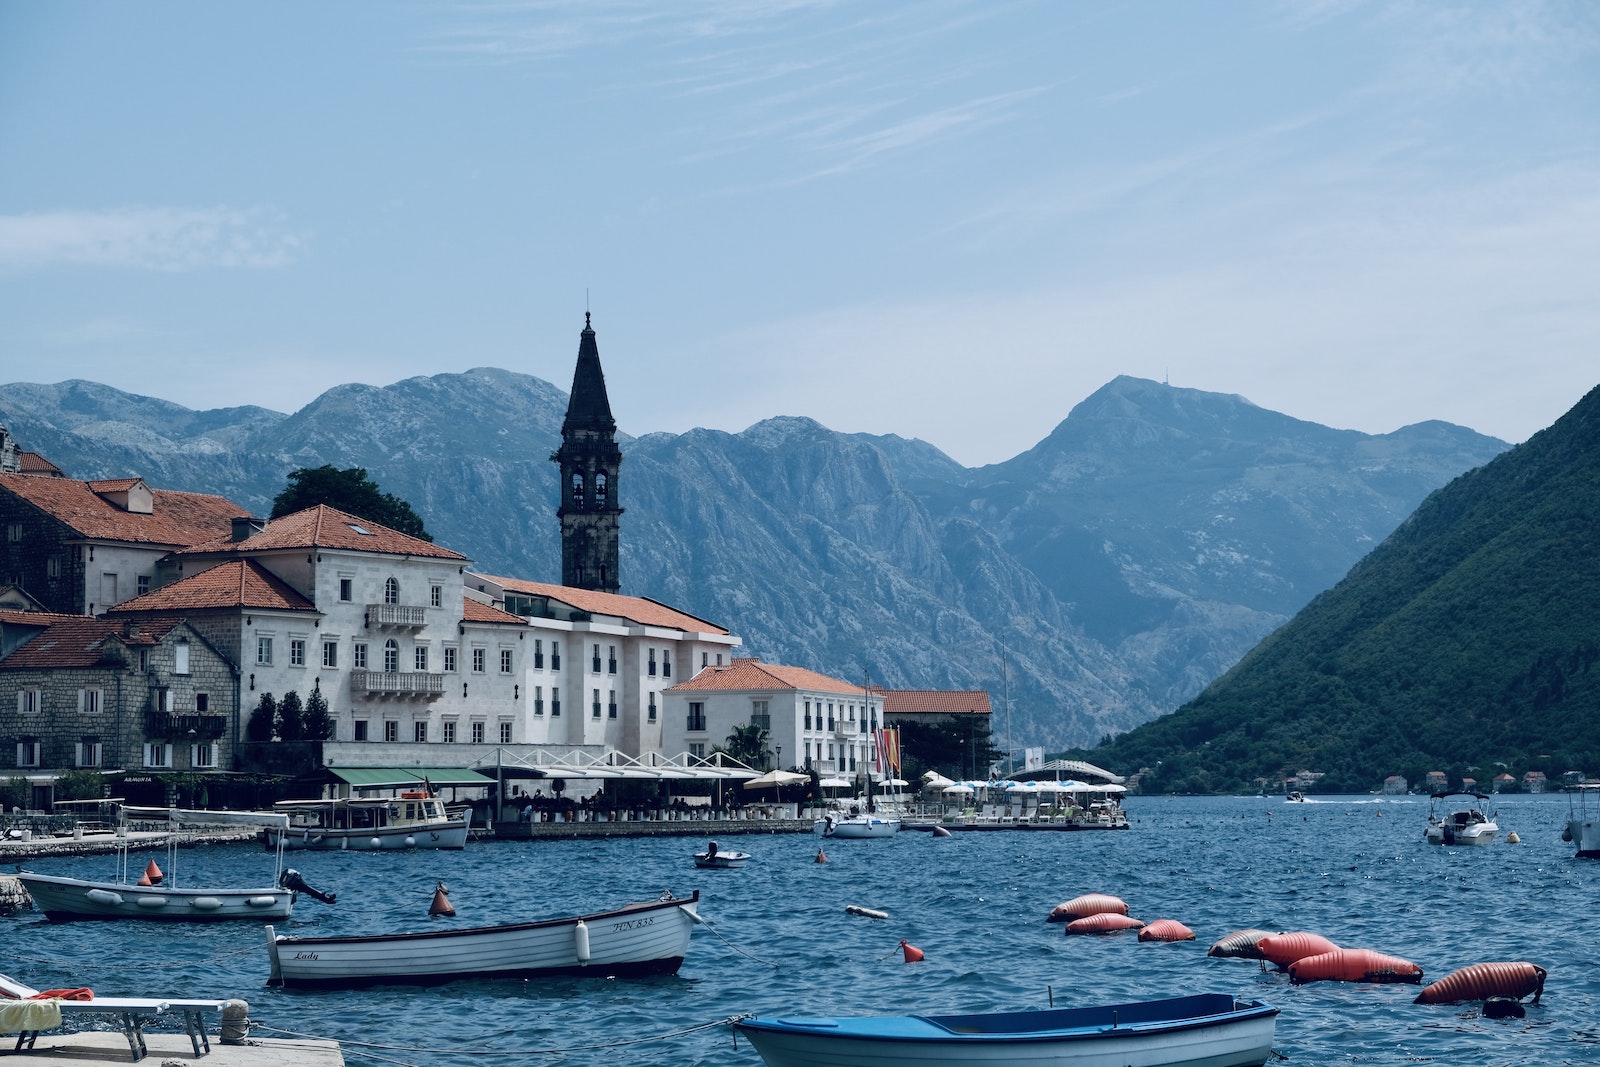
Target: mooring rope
729	1021
718	935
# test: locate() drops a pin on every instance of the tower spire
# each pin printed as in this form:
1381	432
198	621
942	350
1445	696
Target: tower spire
589	458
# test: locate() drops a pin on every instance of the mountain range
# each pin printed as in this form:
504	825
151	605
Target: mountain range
1097	580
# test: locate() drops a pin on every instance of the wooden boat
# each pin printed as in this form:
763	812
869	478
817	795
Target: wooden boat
715	859
124	897
636	939
411	820
1211	1029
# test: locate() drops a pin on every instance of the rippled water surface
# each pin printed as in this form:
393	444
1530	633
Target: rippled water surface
779	941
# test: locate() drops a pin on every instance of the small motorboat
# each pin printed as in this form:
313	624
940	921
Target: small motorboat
1295	797
715	859
1463	824
1211	1028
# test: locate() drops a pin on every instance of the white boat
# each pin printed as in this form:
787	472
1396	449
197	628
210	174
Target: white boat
715	859
636	939
411	820
1295	797
1462	824
859	824
1208	1030
1583	819
124	897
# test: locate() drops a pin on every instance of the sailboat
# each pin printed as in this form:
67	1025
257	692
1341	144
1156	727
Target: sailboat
871	822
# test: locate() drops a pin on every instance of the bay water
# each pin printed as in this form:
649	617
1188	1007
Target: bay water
778	940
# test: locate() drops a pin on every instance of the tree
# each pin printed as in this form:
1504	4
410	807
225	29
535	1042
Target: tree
748	744
350	491
81	785
291	718
318	723
263	721
954	749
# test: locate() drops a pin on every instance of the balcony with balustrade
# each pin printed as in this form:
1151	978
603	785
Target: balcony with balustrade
413	685
396	616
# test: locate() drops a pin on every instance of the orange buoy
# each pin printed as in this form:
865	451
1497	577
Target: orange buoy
1088	904
1353	965
913	954
441	901
1484	980
1166	930
1240	945
1106	922
152	875
822	857
1284	949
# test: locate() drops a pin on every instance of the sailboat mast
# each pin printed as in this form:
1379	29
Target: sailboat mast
1005	692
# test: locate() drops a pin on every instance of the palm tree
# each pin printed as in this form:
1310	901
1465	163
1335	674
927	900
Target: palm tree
748	744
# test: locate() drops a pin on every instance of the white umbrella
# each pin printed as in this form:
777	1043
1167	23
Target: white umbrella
935	780
772	778
898	783
958	790
835	783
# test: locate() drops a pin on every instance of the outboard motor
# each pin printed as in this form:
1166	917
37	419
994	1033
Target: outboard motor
291	880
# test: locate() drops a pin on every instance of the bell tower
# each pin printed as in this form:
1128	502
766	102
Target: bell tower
589	458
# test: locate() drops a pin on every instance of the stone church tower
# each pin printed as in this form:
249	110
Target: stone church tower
589	459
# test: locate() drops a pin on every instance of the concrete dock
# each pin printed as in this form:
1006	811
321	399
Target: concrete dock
58	1049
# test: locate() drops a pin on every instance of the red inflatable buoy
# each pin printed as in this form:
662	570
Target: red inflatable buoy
1166	930
441	902
1354	965
1088	904
152	875
1240	945
1484	980
1284	949
913	954
1107	922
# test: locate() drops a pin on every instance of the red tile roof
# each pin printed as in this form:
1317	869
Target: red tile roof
326	527
35	464
79	641
751	673
236	584
177	518
936	701
475	611
637	609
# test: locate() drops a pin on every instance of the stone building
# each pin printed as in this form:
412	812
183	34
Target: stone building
589	459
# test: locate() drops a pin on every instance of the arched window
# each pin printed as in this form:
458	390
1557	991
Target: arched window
391	656
391	592
600	489
577	490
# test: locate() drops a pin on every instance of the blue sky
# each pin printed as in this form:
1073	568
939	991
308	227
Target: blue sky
944	219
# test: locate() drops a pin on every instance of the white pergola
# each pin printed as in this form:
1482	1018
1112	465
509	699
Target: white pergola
611	764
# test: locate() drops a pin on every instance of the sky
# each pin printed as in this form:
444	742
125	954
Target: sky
946	220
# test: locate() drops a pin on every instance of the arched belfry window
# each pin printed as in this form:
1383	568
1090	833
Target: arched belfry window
391	592
577	490
391	656
600	490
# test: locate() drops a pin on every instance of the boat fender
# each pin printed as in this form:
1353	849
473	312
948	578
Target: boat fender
871	913
1086	905
1513	839
375	843
822	857
1566	835
1107	922
912	953
1482	981
1284	949
206	903
104	896
1166	930
1503	1008
580	941
441	902
1353	965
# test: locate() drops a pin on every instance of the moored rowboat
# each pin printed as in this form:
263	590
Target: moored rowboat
1211	1029
635	939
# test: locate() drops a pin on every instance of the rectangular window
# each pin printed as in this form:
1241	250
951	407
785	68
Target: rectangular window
697	750
144	584
108	589
505	733
697	716
52	567
361	655
89	754
719	659
611	704
391	657
449	729
330	654
28	753
450	659
203	755
436	596
555	702
297	652
28	701
594	661
555	655
419	656
157	754
705	659
830	715
611	659
538	654
652	705
89	701
538	700
477	733
651	671
264	651
202	703
391	730
346	590
808	715
666	663
596	705
420	728
361	729
14	532
478	661
760	716
505	661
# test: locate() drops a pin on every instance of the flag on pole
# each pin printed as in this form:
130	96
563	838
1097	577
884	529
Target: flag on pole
1033	759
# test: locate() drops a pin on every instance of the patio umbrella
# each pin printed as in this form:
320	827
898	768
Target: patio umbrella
935	780
958	790
776	778
835	783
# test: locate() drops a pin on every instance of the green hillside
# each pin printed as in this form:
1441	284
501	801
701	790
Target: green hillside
1468	642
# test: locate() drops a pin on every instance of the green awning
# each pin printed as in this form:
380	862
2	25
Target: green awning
399	777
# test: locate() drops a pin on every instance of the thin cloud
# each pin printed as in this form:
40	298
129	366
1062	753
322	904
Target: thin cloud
159	239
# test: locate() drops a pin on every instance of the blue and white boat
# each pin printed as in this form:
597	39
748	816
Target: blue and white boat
1207	1030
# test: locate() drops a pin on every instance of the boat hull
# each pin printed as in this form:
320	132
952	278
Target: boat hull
722	861
75	898
856	826
1583	821
638	939
1211	1030
445	835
